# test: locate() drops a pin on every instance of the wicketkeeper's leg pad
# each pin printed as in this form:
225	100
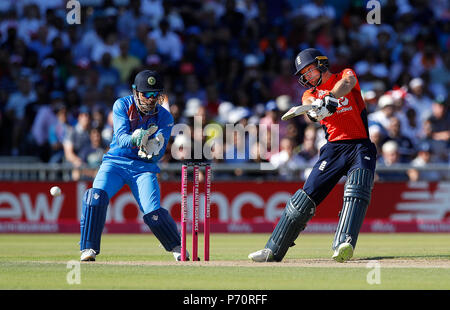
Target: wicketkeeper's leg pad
164	228
357	193
298	211
93	217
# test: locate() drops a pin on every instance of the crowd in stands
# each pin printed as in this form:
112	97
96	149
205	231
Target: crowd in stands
223	62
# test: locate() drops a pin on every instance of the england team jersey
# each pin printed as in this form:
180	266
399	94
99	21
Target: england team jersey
349	122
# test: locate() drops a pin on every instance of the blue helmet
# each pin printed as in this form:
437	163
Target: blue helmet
150	84
307	57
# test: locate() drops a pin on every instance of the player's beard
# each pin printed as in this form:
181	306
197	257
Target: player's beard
147	106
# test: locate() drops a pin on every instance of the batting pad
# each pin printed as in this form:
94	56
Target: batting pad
298	211
93	217
164	228
357	192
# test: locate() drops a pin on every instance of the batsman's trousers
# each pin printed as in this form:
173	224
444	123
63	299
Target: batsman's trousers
336	160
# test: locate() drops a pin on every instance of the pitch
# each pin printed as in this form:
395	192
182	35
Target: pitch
381	261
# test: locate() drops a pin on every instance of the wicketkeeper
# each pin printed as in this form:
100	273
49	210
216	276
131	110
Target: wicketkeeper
342	113
142	128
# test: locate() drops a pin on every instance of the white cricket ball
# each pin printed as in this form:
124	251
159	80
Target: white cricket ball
55	191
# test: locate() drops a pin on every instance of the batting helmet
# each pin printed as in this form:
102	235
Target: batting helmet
148	80
307	57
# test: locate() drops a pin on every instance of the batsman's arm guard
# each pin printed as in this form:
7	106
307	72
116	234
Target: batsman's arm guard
298	211
357	193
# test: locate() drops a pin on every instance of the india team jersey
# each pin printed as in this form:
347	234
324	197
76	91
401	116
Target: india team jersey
126	119
349	122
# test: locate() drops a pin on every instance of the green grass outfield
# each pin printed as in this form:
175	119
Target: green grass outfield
406	261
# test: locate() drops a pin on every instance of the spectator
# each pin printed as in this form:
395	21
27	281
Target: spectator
308	149
77	137
249	8
440	78
107	74
425	61
439	148
418	99
44	120
423	159
125	63
40	43
130	19
153	10
271	126
168	42
232	19
193	89
318	8
254	81
57	134
16	109
30	22
137	42
287	161
386	109
440	120
109	45
390	157
286	83
406	148
92	153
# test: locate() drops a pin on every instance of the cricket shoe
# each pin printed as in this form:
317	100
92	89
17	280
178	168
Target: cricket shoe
343	253
262	256
177	253
88	255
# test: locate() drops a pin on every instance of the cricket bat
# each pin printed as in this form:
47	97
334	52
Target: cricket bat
298	110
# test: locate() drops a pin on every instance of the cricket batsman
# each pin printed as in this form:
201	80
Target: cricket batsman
341	111
142	128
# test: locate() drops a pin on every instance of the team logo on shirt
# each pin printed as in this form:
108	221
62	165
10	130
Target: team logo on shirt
343	101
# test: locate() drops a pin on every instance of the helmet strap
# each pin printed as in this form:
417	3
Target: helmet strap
317	83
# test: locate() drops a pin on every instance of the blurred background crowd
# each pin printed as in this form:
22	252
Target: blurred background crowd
225	62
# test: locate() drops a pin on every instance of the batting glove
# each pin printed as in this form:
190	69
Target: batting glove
330	103
320	112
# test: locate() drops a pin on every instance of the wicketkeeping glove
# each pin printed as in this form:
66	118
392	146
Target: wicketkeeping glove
154	146
139	137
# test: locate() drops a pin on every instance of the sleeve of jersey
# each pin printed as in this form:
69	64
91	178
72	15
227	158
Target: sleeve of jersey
165	128
121	124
